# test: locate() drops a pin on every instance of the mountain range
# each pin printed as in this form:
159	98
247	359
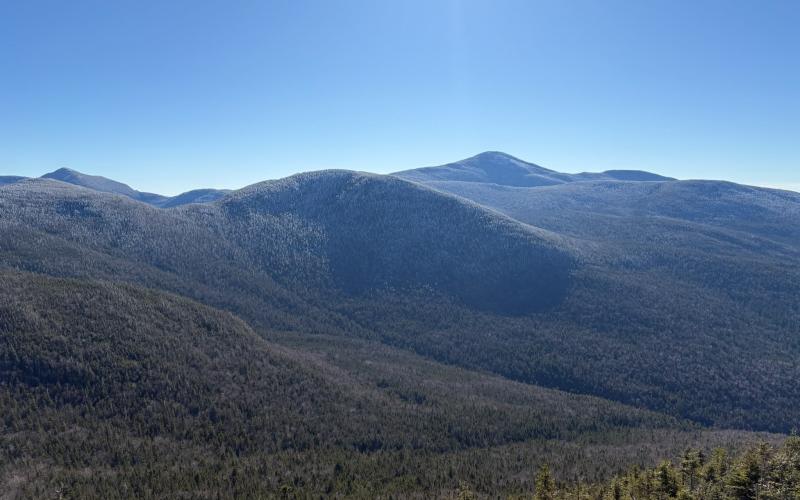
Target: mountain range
104	185
375	335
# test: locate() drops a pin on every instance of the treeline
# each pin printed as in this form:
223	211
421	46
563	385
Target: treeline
761	472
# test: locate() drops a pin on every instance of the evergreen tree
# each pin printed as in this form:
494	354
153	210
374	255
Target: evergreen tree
465	492
545	486
666	480
691	463
743	479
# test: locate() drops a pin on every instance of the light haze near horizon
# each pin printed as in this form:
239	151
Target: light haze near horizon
172	96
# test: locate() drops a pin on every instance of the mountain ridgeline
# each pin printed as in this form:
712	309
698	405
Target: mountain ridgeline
104	185
499	299
499	168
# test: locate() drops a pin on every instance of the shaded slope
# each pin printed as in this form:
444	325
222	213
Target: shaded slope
680	278
377	232
10	179
760	220
308	236
194	196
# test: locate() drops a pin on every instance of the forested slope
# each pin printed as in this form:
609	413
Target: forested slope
693	282
113	391
698	325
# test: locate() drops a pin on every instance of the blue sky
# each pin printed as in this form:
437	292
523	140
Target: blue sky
172	95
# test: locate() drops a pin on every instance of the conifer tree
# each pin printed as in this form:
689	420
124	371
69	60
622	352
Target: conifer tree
545	486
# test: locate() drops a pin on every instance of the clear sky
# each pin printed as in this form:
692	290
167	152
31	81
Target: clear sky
170	95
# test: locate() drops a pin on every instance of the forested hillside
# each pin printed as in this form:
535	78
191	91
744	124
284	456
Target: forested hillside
704	273
696	318
113	391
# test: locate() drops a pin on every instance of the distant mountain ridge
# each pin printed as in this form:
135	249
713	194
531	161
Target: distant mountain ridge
103	184
106	185
494	167
490	167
